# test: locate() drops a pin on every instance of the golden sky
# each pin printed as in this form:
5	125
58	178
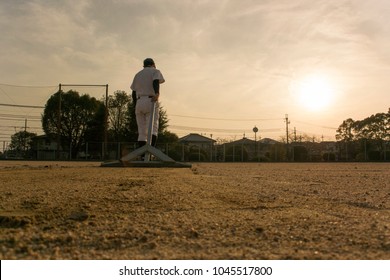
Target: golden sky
229	65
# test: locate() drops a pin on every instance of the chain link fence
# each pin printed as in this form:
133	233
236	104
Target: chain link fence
208	152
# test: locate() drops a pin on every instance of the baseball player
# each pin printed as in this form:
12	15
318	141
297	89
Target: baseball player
146	89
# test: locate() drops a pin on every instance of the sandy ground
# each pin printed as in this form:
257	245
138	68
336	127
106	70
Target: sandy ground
73	210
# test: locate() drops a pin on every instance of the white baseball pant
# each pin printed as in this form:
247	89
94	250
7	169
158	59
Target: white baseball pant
143	113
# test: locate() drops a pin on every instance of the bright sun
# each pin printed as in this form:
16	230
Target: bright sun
315	92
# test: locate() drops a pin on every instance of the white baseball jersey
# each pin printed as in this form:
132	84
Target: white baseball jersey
143	81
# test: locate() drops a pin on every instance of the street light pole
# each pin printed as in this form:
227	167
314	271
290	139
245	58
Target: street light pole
255	130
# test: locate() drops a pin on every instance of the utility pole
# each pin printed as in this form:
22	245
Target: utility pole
59	122
287	141
106	125
25	136
255	130
295	134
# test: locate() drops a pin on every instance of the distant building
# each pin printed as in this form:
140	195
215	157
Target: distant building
246	149
198	147
44	148
197	139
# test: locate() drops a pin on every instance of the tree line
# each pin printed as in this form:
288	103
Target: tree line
365	139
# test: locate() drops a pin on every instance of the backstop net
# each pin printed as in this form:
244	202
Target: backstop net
21	109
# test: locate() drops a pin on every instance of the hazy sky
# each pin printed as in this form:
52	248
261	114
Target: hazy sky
229	65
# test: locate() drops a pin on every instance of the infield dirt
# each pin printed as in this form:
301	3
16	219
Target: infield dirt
79	210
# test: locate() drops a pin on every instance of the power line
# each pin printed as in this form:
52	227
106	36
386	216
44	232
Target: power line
18	116
25	86
315	134
222	119
22	106
82	85
20	119
322	126
178	127
13	126
237	130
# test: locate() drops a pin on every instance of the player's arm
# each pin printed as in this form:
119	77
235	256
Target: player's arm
134	96
156	87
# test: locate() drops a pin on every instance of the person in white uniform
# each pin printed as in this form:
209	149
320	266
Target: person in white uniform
145	90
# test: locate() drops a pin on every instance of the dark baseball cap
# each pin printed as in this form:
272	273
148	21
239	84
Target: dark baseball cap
148	62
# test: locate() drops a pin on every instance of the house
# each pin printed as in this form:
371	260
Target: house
197	140
44	148
246	149
198	147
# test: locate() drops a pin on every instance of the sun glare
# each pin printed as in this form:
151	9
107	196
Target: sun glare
315	93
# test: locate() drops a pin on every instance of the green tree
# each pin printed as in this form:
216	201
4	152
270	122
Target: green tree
162	121
387	123
373	127
117	112
345	135
131	131
21	142
77	114
365	137
374	132
167	137
345	131
95	127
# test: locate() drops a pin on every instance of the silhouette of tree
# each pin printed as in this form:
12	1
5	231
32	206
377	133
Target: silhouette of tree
345	131
117	112
373	127
372	133
79	113
21	142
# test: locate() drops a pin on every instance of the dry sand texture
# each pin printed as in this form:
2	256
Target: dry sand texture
73	210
